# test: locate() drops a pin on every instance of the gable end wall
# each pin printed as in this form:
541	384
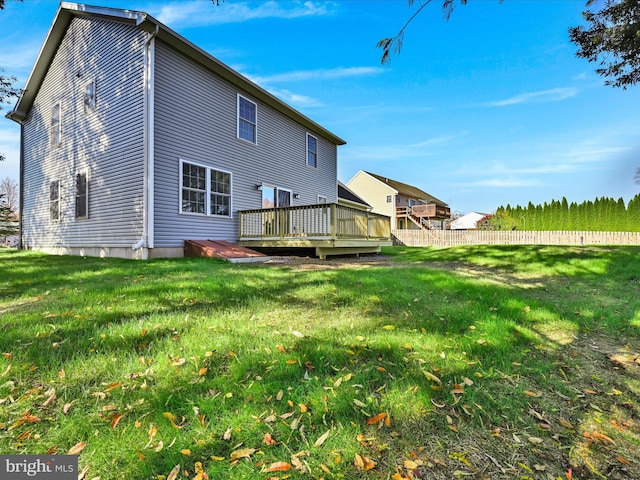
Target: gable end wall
106	144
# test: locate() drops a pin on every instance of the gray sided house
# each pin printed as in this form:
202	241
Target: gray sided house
134	140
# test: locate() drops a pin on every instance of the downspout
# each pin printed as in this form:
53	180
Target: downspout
147	239
21	194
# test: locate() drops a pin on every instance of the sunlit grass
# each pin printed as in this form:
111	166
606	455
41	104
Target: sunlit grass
172	362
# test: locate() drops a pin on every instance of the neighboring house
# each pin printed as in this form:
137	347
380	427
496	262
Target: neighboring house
134	140
467	222
408	206
350	199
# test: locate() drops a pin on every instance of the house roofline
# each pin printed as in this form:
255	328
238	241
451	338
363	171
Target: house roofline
410	189
67	11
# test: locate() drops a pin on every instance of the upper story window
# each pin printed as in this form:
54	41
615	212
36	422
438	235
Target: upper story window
204	190
90	97
82	196
312	151
54	200
247	119
322	199
56	125
389	198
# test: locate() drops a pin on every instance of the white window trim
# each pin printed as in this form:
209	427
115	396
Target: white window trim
306	159
238	118
208	192
59	200
320	197
57	127
75	184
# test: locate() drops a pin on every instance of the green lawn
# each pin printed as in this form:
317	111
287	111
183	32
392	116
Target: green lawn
470	362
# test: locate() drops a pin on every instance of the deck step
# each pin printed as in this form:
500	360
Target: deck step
222	249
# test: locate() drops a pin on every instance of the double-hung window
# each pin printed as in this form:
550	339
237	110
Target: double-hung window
56	125
247	119
194	188
312	151
204	190
220	193
54	200
82	196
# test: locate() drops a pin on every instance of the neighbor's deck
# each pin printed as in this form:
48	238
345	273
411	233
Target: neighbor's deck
331	229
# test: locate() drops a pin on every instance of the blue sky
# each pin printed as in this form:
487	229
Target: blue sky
489	108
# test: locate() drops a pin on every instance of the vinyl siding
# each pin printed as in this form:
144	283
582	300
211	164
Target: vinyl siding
196	120
107	143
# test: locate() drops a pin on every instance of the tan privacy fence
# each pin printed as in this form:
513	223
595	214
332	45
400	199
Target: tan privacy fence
451	238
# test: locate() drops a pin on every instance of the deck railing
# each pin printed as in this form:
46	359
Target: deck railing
324	221
429	210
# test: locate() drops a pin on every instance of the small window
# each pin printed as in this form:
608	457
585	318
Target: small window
54	200
90	97
322	199
82	196
204	190
312	151
389	198
247	119
56	125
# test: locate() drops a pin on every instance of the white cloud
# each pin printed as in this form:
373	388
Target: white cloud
504	182
295	99
198	13
320	74
398	152
551	95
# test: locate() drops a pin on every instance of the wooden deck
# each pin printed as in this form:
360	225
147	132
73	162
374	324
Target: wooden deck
331	229
429	210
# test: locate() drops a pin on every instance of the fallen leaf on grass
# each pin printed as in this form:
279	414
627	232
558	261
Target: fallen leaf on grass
242	453
200	473
49	400
598	437
297	464
364	463
278	467
376	419
410	465
77	448
322	438
174	473
431	377
566	424
268	439
115	420
111	386
529	393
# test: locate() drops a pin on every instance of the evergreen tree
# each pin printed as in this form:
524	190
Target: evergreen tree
633	214
8	220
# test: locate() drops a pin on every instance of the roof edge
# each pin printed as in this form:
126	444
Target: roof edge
66	12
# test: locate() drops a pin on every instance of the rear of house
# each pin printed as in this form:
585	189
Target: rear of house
134	140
